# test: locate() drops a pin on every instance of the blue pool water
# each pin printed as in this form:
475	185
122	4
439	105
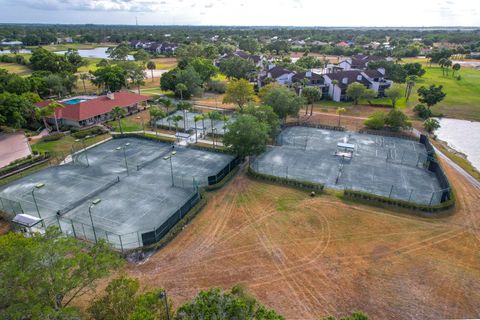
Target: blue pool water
73	101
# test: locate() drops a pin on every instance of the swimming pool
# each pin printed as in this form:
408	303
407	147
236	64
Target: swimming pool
73	101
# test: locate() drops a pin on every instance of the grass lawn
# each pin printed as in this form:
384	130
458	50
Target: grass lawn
78	46
16	68
91	65
129	124
463	96
165	63
64	145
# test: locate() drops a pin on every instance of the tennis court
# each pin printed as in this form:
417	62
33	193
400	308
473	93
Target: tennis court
138	187
386	166
189	123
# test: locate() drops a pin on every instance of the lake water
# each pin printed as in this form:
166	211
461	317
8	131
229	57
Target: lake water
6	51
100	52
463	136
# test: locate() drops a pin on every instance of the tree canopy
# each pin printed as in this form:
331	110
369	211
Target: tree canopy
431	95
246	136
42	274
239	92
283	101
237	68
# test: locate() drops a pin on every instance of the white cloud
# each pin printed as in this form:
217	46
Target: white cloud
246	12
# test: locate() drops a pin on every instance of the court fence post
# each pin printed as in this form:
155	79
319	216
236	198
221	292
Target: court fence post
84	234
121	244
391	190
73	229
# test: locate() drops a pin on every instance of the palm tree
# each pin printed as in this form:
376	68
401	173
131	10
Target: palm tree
117	113
155	114
175	120
184	106
151	66
410	84
339	112
195	120
334	84
181	88
84	76
448	64
213	116
43	113
167	103
442	62
225	120
53	107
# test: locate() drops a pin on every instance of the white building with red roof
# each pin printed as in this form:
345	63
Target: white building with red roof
85	111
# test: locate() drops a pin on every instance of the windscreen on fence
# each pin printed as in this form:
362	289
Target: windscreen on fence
435	167
222	173
157	234
10	207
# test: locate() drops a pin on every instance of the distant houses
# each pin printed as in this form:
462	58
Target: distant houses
256	59
154	47
333	80
84	111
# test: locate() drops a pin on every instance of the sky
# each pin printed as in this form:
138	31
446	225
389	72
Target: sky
369	13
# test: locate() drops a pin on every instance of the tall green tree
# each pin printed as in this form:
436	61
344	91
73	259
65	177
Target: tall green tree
431	95
15	109
213	116
283	101
118	113
53	107
119	52
237	68
155	114
355	91
111	77
248	44
151	66
123	301
204	67
217	304
239	92
43	274
394	93
266	115
311	95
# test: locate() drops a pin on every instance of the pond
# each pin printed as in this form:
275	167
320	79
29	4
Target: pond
100	52
462	135
6	51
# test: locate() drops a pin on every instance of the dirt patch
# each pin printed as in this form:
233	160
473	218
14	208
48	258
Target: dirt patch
309	257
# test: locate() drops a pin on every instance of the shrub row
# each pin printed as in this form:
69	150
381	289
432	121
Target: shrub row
368	197
88	132
312	125
22	163
13	59
147	137
172	128
300	184
53	137
394	134
218	149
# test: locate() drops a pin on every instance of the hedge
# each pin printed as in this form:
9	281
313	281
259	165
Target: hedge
369	197
88	132
19	164
218	149
53	137
146	137
300	184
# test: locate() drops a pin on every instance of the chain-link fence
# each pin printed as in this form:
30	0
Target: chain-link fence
10	207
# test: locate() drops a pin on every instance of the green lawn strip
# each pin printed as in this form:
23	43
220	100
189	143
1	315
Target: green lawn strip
64	144
461	161
128	125
16	68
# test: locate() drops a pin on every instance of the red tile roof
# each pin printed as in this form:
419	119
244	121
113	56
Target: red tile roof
95	107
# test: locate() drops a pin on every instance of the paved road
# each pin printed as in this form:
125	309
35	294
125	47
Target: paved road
12	147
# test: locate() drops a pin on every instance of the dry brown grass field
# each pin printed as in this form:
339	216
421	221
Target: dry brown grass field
311	257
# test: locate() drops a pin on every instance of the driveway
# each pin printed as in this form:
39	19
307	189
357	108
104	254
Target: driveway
12	147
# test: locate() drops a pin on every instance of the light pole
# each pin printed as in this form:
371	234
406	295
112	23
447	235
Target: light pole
37	186
94	202
125	155
171	165
163	295
84	149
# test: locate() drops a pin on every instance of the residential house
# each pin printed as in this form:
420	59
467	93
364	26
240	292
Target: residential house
311	79
154	47
256	59
358	62
85	111
278	74
342	44
372	79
